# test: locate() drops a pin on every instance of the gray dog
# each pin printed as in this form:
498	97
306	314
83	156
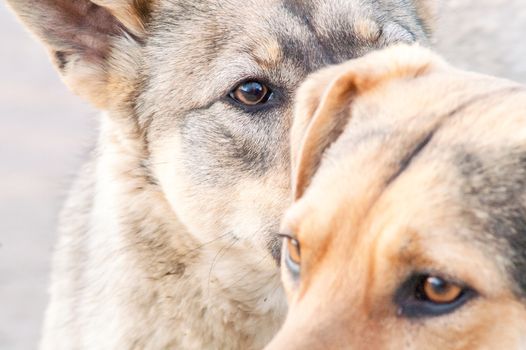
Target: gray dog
168	239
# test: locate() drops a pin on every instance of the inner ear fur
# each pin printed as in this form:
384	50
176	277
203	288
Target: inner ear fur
133	14
86	40
324	102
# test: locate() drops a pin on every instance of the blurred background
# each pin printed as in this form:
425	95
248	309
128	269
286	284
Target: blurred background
46	132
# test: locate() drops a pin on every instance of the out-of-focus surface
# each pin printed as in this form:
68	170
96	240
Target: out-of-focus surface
44	133
485	35
45	130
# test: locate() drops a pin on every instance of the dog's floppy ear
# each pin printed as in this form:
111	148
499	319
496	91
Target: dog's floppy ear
321	113
82	37
324	102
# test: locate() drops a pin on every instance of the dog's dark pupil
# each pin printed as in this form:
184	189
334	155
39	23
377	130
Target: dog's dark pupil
439	285
251	92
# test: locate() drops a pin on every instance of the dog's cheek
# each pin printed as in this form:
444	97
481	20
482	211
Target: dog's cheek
289	284
227	173
247	209
257	209
196	207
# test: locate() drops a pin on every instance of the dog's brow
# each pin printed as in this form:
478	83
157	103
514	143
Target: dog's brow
287	231
268	54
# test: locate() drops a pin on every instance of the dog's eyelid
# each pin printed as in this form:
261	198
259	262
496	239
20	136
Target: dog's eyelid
440	274
444	275
288	226
288	236
249	78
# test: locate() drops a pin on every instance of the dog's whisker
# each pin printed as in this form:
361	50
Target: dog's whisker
219	254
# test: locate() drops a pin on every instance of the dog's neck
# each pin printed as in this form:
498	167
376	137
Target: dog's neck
201	294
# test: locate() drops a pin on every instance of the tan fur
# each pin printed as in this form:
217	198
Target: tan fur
370	217
268	53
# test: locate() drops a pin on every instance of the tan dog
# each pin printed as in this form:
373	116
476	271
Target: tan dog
409	226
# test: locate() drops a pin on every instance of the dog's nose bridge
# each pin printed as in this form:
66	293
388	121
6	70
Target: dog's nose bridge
321	329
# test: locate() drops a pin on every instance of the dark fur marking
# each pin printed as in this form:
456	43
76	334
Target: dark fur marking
337	45
518	243
294	50
143	9
302	12
495	184
148	174
177	269
406	161
341	42
274	247
61	58
219	153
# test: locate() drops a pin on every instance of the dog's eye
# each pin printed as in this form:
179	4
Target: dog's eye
292	254
251	93
430	295
439	291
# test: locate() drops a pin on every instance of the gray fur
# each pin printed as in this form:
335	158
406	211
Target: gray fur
495	184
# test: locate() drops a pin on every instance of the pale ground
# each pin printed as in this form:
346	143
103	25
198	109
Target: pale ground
45	132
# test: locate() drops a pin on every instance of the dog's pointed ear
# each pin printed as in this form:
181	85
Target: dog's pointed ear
82	37
324	103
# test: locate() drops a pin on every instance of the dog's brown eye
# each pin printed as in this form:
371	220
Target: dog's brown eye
251	93
292	254
425	295
439	291
293	251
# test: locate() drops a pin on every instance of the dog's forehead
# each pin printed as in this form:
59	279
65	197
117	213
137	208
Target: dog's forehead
196	52
433	218
296	36
464	177
465	206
